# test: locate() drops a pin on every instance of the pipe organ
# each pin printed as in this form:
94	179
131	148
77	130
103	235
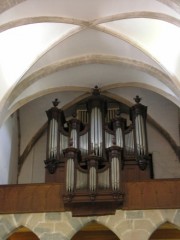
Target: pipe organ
94	147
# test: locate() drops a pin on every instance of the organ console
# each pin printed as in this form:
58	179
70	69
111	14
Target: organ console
94	148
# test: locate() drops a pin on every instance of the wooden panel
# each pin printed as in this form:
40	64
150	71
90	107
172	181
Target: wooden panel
133	173
57	177
152	194
28	198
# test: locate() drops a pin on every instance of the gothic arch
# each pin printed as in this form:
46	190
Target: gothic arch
22	233
95	230
165	231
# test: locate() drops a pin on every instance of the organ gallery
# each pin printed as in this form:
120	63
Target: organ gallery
93	148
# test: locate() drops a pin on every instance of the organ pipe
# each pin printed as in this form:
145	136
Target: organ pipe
115	173
70	175
55	117
138	116
53	139
96	108
83	144
103	179
96	131
115	153
81	180
92	179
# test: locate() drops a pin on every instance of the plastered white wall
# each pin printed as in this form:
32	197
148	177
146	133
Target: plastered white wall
33	169
165	162
9	151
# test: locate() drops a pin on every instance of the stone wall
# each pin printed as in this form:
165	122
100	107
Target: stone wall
127	225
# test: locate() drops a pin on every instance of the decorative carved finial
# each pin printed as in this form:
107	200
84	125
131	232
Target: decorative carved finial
96	91
137	99
55	102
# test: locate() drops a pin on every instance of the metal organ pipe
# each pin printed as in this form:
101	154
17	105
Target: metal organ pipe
81	180
96	131
119	137
70	175
63	143
115	174
108	139
83	143
137	129
92	179
139	115
143	135
74	137
103	179
140	135
53	135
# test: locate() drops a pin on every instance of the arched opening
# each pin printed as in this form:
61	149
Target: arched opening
93	231
23	233
166	231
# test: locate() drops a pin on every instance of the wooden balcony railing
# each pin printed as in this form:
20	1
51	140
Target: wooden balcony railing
34	198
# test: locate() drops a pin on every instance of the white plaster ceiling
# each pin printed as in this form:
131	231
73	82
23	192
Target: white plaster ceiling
55	45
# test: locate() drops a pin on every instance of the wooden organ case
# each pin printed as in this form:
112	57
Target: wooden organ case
95	152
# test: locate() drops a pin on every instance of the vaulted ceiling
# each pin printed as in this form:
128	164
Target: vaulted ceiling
51	46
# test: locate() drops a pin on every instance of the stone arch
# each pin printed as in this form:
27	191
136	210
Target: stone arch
95	229
11	223
22	233
167	229
158	218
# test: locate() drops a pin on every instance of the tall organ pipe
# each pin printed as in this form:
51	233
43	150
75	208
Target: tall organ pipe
55	119
115	154
115	173
70	175
53	138
96	131
92	179
96	107
138	116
